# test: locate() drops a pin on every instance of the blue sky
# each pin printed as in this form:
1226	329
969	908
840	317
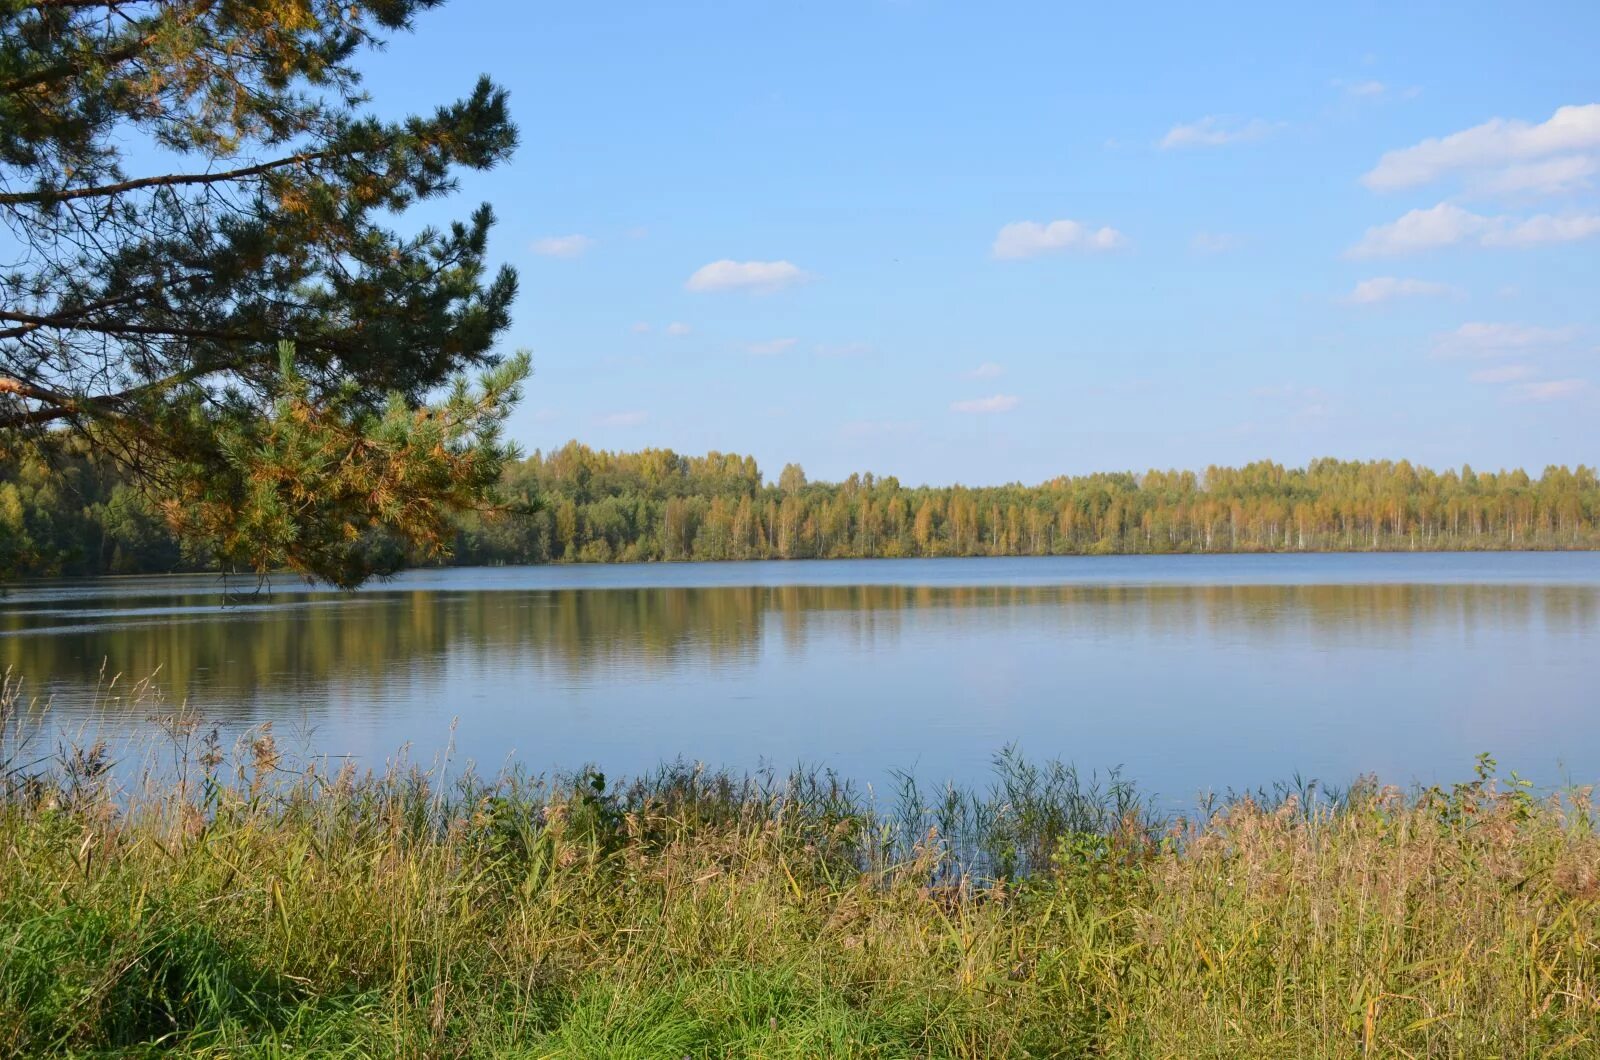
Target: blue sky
985	243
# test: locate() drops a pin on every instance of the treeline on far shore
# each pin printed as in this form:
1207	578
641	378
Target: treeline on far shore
74	514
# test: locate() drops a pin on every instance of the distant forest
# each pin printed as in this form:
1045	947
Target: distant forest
77	516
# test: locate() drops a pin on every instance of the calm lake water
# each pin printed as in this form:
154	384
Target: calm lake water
1191	673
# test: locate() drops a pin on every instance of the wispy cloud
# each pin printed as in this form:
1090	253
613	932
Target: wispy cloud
1486	339
677	327
1288	392
757	276
770	348
1551	390
843	349
1542	228
1441	226
1551	176
1384	288
1371	90
877	428
986	370
1214	242
641	328
1495	143
1368	89
1028	239
1447	225
1295	405
987	405
1215	130
573	246
1505	373
631	418
1520	381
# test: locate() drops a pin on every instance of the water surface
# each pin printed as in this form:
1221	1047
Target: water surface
1191	673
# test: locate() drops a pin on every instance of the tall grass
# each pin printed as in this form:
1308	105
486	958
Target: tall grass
244	904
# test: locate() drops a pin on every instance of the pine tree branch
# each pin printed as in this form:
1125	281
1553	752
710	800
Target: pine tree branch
59	405
26	198
113	57
70	323
62	317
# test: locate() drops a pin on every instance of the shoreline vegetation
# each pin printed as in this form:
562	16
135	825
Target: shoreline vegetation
70	513
244	903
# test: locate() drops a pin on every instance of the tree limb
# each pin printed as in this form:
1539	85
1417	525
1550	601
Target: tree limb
23	198
152	330
114	57
61	405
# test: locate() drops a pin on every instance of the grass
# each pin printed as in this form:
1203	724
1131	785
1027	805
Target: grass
244	905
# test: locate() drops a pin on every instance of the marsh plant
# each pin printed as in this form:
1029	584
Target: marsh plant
239	900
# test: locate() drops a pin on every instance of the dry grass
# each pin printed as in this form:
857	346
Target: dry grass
239	908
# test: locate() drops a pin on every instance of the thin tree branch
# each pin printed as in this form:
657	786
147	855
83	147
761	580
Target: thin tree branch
153	330
114	57
62	406
166	181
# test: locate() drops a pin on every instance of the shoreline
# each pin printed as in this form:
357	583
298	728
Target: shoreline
252	908
225	578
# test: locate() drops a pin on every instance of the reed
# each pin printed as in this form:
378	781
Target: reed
241	903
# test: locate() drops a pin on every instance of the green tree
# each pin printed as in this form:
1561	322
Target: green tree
79	518
189	183
792	479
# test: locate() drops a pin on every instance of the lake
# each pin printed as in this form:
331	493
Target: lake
1192	673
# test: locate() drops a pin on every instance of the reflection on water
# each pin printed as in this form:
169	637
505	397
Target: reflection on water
1190	684
251	652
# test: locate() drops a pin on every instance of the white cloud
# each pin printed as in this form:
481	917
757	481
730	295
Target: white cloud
1552	176
1447	224
770	348
758	276
996	403
641	328
1438	226
1026	239
876	428
1497	142
843	349
1507	373
1383	288
1372	91
1288	392
1551	390
986	370
677	327
1213	242
622	419
1542	228
1482	339
1215	130
572	246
